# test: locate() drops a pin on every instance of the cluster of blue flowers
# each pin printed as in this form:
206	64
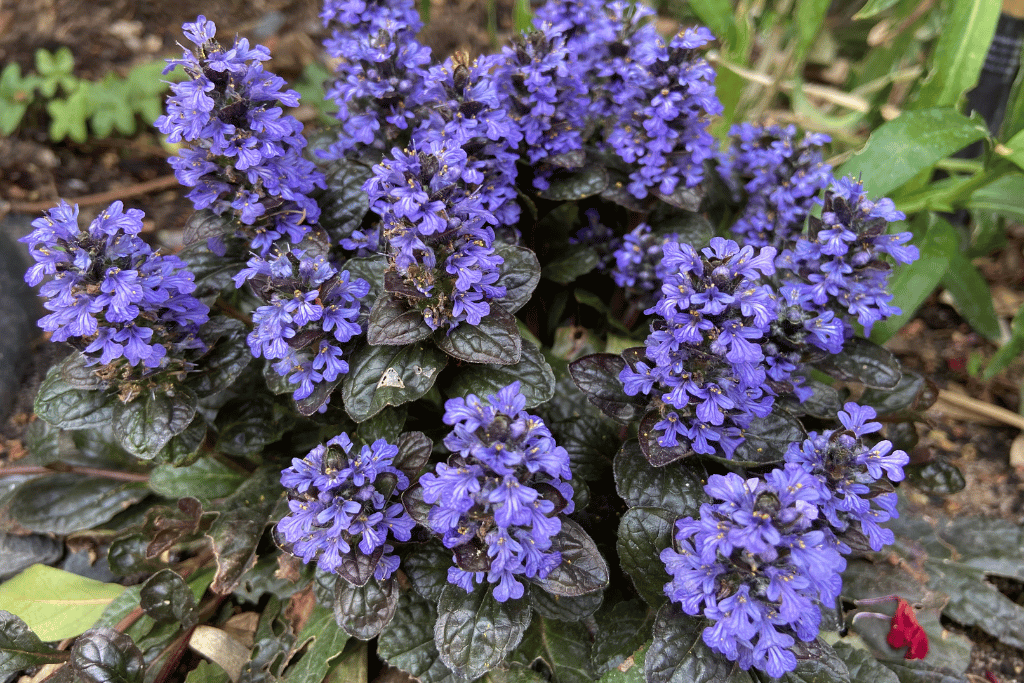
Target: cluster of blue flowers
339	505
244	153
380	72
640	265
779	178
757	562
839	266
440	234
497	499
109	295
311	309
707	368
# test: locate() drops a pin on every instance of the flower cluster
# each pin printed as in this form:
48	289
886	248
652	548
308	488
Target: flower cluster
853	475
311	309
110	295
779	177
755	565
839	265
440	234
705	360
339	506
245	154
599	237
659	117
547	99
640	266
496	501
379	74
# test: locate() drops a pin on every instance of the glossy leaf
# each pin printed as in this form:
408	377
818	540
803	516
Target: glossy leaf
564	649
865	362
583	569
959	54
246	424
643	534
975	602
823	402
237	530
363	611
371	269
102	655
56	604
588	436
576	184
427	568
537	380
597	376
145	425
392	323
577	263
520	274
62	405
387	425
862	667
20	648
408	641
63	503
767	438
414	449
380	376
911	284
913	141
566	608
324	643
344	203
205	479
656	454
495	340
621	630
166	597
676	488
474	632
678	653
631	670
20	552
913	393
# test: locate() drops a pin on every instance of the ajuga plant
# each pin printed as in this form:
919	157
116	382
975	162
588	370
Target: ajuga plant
516	371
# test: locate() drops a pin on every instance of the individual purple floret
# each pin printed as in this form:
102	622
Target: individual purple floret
311	310
244	153
340	506
779	178
380	70
840	266
497	499
109	295
547	99
756	565
439	230
660	101
640	266
713	316
855	490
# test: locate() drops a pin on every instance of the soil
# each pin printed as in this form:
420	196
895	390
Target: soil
119	34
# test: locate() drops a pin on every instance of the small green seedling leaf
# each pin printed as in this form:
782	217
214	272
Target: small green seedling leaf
54	603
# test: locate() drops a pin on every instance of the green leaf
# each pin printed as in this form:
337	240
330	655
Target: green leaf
427	568
247	424
568	186
343	204
102	655
767	438
63	405
912	283
68	116
959	54
582	570
676	488
536	379
237	531
166	597
597	376
387	425
111	104
716	15
363	611
975	602
643	534
323	641
873	7
520	274
576	264
145	425
678	653
913	393
408	641
380	376
865	362
564	649
228	356
1010	350
656	454
20	648
414	449
862	666
564	607
632	668
474	632
207	672
620	631
939	477
913	141
17	552
371	269
495	340
63	503
54	603
579	427
810	16
392	323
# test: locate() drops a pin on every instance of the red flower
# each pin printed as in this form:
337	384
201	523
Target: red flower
906	631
